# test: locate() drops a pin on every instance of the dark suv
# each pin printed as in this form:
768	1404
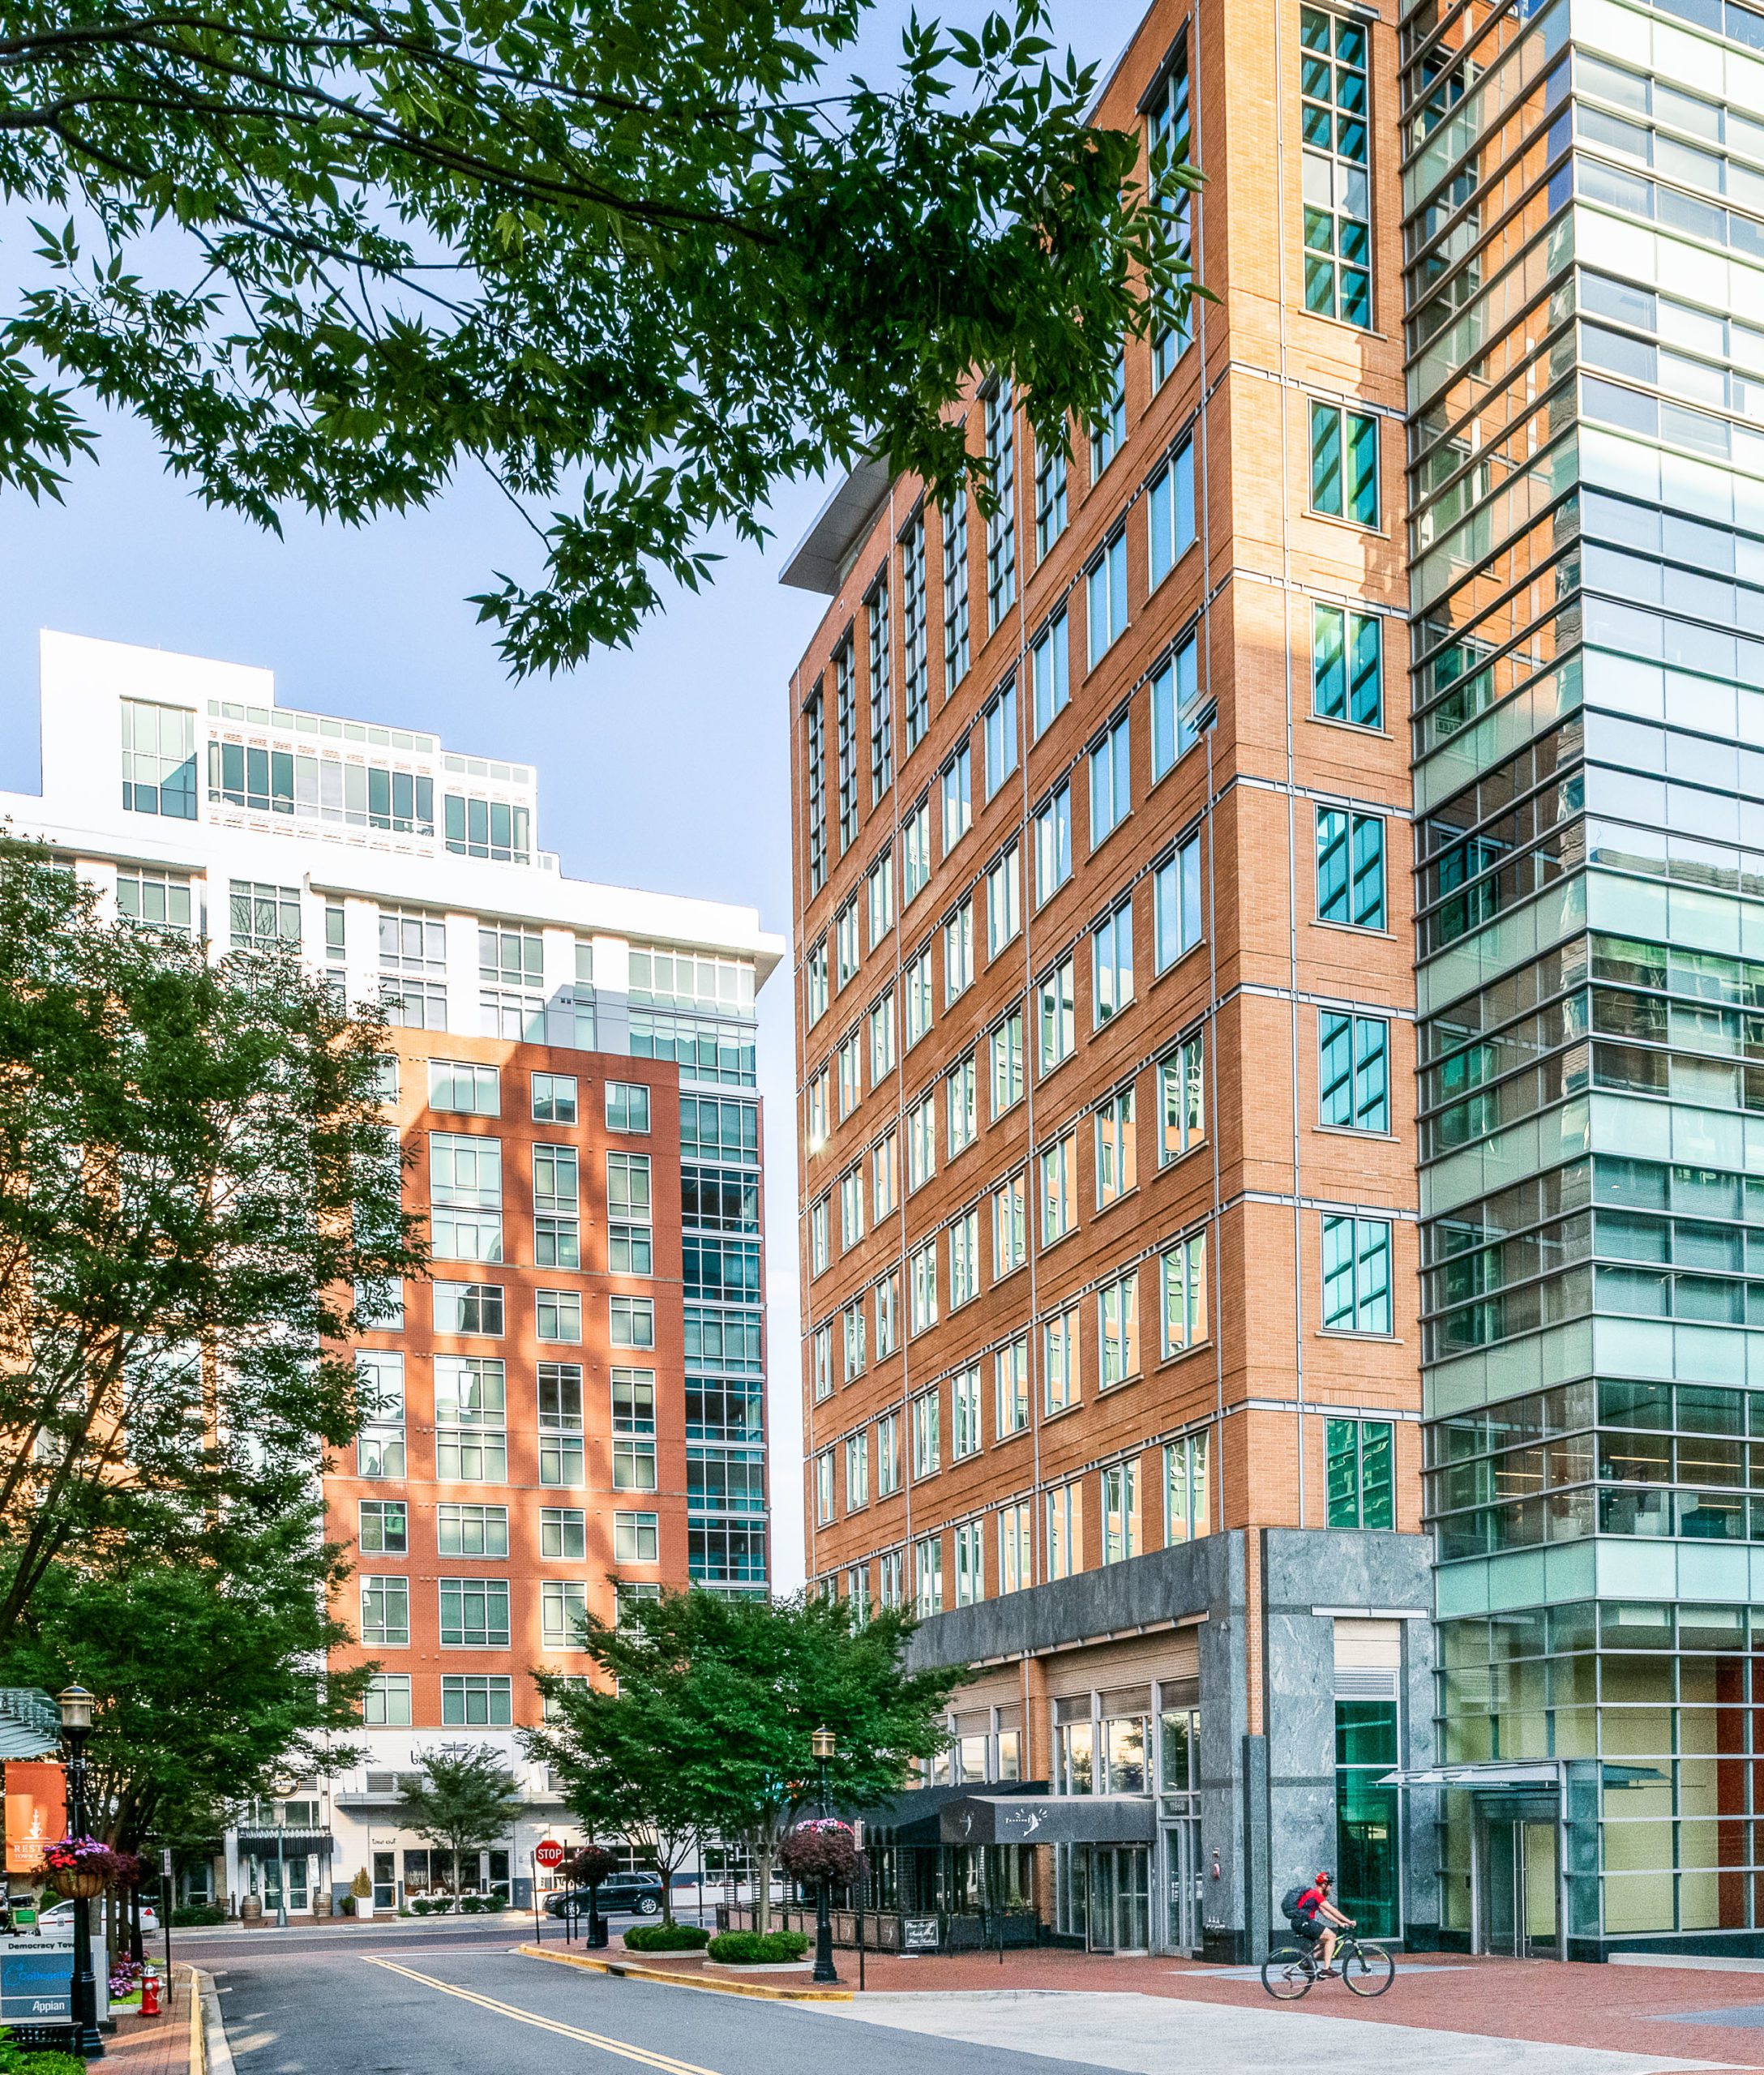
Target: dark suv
640	1892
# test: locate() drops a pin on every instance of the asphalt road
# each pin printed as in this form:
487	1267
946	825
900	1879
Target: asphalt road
402	2006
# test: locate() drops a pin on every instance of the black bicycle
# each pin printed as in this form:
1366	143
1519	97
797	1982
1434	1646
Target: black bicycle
1290	1971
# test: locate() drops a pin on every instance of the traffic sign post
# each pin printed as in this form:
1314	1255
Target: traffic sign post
549	1853
165	1906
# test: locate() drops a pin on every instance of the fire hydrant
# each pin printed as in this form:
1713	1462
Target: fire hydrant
150	1994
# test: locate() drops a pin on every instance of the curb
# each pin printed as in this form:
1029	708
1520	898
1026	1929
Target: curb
209	2051
630	1971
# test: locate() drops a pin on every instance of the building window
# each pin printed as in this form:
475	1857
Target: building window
1181	1104
957	798
633	1322
471	1531
921	1274
821	1362
1004	900
1065	1529
1176	708
1117	1311
928	1434
628	1107
1060	1361
383	1529
264	918
563	1534
879	896
1344	463
1351	868
917	994
914	658
1111	965
955	532
815	981
1185	1517
850	1058
511	975
921	1143
1353	1072
964	1259
1105	598
845	742
474	1700
928	1576
915	854
888	1572
556	1207
630	1233
1059	1188
475	1614
469	1307
558	1314
1010	1229
386	1612
474	1090
1120	1512
1347	666
634	1468
1367	1815
1333	114
970	1563
885	1175
1109	428
1056	1018
471	1438
823	1487
857	1471
851	1207
1166	149
887	1314
881	692
385	1704
1117	1151
158	759
1170	512
1049	672
1050	497
1053	846
1356	1275
1111	795
1360	1476
413	964
157	900
475	827
847	950
1001	527
1005	1047
1176	904
561	1460
465	1197
1016	1555
380	1385
961	1104
888	1455
637	1537
998	732
1182	1270
1010	1388
958	953
815	758
965	1414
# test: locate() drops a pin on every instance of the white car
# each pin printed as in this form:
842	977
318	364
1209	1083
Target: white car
59	1916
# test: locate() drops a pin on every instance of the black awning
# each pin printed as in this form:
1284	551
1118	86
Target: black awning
1074	1819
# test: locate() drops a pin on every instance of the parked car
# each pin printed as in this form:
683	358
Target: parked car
638	1892
59	1916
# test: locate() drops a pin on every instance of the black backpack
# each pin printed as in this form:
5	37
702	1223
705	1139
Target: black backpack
1289	1901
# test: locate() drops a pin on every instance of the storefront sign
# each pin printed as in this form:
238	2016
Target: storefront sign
918	1934
36	1805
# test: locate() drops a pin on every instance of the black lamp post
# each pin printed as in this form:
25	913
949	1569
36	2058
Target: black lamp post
823	1744
76	1726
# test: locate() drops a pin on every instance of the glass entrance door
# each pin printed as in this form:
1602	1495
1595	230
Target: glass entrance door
1181	1927
1120	1898
1517	1879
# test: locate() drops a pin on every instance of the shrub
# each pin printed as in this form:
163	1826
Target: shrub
361	1887
186	1918
757	1949
471	1904
347	1905
666	1938
496	1903
15	2060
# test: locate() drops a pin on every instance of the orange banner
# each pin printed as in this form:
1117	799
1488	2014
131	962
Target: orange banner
36	1813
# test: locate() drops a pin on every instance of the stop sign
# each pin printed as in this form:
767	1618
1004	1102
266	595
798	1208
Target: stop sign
550	1853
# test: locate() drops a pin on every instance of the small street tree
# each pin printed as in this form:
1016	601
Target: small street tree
464	1798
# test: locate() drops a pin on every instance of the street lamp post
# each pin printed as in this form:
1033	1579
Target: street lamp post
823	1744
76	1726
281	1788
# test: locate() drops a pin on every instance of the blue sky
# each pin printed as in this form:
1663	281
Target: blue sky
664	766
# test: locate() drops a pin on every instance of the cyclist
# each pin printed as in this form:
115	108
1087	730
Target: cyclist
1314	1918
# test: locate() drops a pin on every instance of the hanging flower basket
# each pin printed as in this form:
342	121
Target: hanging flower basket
81	1867
822	1850
76	1883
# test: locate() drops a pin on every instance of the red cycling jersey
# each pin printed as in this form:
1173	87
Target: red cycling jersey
1310	1902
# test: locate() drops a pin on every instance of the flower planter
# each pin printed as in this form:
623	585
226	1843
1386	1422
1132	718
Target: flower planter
747	1966
70	1882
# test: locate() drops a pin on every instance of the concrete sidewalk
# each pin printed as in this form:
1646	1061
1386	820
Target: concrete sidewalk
169	2044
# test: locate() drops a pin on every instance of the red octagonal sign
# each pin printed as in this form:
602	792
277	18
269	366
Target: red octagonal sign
549	1853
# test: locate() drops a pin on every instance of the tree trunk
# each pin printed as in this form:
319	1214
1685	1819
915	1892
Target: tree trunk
762	1886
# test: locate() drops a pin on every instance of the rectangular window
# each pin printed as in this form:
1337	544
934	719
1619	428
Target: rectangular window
1177	709
1181	1101
1333	114
159	760
471	1531
1056	1016
1353	1072
957	782
915	648
627	1107
922	1286
634	1468
1176	904
1016	1555
928	1434
471	1438
850	1058
556	1207
954	515
385	1613
964	1259
964	1414
958	953
961	1105
564	1533
1010	1388
1117	1311
1351	868
1120	1512
845	742
885	1176
851	1321
1004	900
820	1251
881	692
385	1704
815	764
633	1322
879	896
384	1528
510	972
1344	463
1170	510
636	1538
928	1576
1010	1228
1049	662
264	918
1106	599
465	1196
1050	497
475	1614
1112	782
998	732
1111	965
915	854
821	1360
889	1571
1117	1148
815	981
888	1454
1359	1472
857	1471
553	1098
379	1384
823	1487
161	901
1109	428
848	953
1166	150
1005	1047
1356	1275
1001	528
850	1208
1183	1273
971	1568
463	1307
630	1227
1185	1515
916	986
887	1314
1060	1361
882	1048
471	1700
921	1143
1053	846
558	1314
1347	666
820	1110
1065	1529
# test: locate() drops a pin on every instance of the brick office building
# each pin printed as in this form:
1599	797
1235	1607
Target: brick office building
1106	1000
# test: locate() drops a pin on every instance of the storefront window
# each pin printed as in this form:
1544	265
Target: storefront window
1074	1747
1366	1814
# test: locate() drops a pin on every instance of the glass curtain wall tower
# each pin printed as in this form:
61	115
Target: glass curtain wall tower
1584	240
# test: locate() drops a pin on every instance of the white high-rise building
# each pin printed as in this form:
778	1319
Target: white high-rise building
583	1381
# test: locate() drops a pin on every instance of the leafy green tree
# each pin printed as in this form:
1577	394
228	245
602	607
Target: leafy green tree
195	1176
715	1702
462	1799
639	260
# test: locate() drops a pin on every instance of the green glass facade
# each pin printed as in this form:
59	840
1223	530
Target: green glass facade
1585	245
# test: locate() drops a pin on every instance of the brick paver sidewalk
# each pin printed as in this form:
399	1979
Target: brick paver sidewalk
157	2046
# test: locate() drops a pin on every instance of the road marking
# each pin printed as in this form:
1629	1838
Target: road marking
648	2057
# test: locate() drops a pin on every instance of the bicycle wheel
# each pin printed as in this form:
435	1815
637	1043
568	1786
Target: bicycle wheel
1286	1974
1367	1970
